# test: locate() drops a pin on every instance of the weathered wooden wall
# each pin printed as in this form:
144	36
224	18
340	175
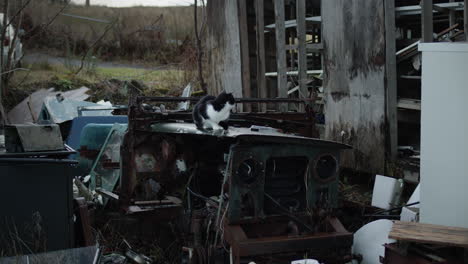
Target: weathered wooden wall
354	81
223	48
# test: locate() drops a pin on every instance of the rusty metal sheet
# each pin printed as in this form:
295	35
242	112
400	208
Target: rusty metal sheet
262	246
253	132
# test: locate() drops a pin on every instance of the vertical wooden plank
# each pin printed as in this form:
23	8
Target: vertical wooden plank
291	40
223	48
426	21
302	54
245	63
352	116
451	18
280	51
261	80
391	85
465	19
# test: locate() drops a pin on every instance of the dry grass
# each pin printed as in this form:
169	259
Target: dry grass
105	83
158	34
150	36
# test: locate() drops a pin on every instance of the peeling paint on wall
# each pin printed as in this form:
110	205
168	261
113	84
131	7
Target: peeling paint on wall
354	67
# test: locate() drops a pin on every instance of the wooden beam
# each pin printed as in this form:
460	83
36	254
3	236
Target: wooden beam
294	73
313	47
442	10
261	78
410	104
301	39
426	21
416	9
431	234
391	77
245	61
281	51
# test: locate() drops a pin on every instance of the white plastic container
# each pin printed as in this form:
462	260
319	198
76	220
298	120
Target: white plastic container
387	192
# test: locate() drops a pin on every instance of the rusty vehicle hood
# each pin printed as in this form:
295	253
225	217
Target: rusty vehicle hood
245	134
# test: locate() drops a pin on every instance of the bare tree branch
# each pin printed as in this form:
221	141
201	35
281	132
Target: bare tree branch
18	12
93	45
7	61
43	27
11	62
2	49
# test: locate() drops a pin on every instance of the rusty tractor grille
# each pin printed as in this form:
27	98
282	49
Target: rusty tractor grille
284	181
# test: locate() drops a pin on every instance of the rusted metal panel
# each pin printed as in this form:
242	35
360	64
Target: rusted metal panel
354	81
29	138
337	241
223	48
421	254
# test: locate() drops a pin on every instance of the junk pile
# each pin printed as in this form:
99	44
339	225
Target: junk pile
38	157
262	191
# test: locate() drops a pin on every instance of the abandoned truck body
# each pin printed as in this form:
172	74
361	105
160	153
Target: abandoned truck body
252	193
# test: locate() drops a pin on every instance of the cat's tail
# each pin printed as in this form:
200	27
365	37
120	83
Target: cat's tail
197	119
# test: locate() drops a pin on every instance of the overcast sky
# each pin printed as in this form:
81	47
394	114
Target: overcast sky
125	3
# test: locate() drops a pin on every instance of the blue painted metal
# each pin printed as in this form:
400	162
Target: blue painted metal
78	123
92	138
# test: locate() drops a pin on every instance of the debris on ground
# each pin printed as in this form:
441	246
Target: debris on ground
29	109
83	255
356	193
58	109
387	192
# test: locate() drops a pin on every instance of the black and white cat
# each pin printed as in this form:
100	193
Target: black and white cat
211	112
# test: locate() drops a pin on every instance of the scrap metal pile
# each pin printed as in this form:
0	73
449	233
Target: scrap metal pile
250	193
265	190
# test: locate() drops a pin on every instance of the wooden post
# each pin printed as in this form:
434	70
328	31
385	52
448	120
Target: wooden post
281	51
391	85
245	61
451	18
88	2
302	53
465	19
426	21
260	25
